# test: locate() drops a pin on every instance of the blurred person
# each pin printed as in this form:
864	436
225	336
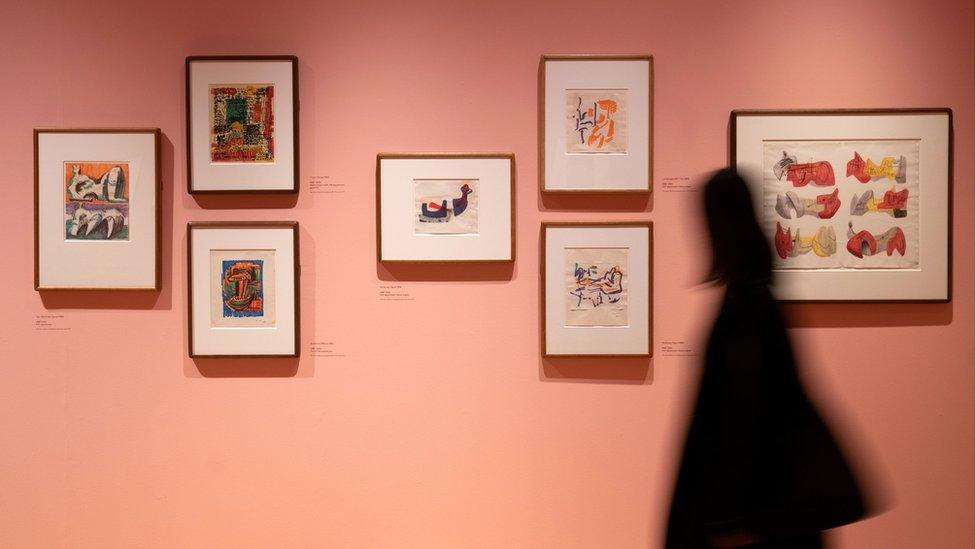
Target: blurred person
760	468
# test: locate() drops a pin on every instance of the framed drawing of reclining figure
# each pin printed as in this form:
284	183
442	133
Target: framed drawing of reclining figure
97	209
243	289
596	287
856	203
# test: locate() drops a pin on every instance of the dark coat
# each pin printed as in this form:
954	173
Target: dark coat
758	458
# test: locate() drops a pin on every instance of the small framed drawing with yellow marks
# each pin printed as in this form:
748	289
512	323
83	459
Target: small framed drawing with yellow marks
242	124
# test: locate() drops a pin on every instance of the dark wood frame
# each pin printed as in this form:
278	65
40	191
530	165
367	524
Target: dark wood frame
444	156
189	129
157	174
542	119
650	282
190	226
733	119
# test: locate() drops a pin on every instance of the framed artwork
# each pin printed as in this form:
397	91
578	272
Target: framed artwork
97	209
856	203
243	280
445	207
242	124
596	288
596	123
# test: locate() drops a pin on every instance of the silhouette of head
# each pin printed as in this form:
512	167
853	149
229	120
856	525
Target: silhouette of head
740	252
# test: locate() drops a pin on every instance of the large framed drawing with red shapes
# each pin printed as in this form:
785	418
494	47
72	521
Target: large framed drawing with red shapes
856	203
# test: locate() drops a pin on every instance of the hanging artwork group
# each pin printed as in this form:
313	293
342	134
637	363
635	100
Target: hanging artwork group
855	204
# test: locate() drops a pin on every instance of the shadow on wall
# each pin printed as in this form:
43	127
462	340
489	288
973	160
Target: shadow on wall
604	202
242	201
851	315
245	367
104	299
618	371
446	272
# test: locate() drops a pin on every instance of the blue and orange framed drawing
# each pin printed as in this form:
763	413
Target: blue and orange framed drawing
243	281
445	207
596	281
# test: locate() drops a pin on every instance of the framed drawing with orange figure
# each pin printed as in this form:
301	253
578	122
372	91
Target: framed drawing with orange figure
595	123
856	203
596	288
97	209
243	281
242	124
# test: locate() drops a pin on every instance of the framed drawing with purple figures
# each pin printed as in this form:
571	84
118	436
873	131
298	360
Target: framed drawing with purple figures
856	203
242	285
596	287
242	124
445	207
595	123
96	209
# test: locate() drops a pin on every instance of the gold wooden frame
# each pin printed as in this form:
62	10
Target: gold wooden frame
733	149
650	283
445	156
542	119
157	182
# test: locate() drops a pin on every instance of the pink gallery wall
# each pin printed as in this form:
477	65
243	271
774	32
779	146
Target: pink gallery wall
436	423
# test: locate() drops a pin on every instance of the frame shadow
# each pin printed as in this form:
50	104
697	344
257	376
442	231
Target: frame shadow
613	371
595	201
854	315
446	272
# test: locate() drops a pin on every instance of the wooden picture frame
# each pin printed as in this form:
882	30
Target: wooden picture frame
243	247
857	203
403	231
609	336
84	217
262	155
563	170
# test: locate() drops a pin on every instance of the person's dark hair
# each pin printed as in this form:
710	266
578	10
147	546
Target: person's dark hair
740	251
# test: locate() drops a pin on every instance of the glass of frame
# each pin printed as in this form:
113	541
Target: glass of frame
445	207
96	209
596	124
242	281
596	287
242	124
856	203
